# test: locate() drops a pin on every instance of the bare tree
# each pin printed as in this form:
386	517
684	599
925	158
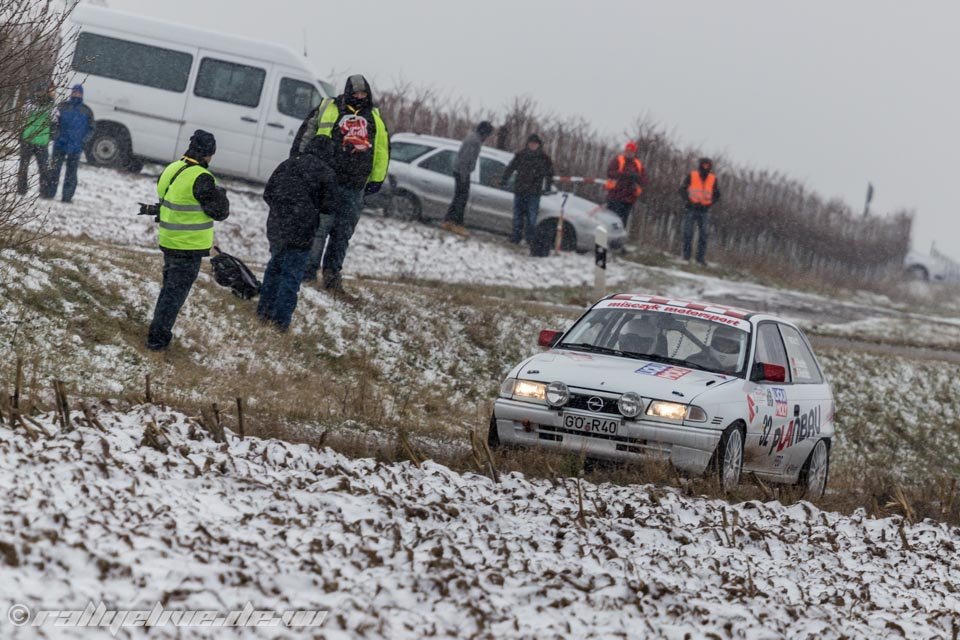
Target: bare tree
31	39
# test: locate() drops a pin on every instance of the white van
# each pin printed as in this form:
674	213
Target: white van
151	83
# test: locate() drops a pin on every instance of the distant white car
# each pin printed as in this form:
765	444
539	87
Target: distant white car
932	267
711	388
421	181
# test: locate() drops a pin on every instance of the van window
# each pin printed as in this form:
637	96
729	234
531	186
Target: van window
297	98
132	62
229	82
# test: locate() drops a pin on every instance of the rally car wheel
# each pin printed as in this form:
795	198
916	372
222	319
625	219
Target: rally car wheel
813	476
730	457
493	436
406	207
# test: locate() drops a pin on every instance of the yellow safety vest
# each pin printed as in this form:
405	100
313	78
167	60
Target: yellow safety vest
330	114
183	224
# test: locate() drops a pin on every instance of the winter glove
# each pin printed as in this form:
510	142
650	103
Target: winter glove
372	188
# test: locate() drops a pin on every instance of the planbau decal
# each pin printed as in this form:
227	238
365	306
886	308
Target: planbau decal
663	371
791	432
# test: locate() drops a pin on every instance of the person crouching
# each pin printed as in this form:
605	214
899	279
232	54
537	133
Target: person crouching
298	194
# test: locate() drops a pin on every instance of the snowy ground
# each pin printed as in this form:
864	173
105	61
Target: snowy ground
396	551
105	205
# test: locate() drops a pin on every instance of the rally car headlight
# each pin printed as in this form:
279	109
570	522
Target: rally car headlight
530	391
630	404
669	410
557	394
696	414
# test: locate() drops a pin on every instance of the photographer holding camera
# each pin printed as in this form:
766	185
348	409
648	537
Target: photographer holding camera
190	201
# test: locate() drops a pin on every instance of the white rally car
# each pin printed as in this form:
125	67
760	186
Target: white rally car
711	388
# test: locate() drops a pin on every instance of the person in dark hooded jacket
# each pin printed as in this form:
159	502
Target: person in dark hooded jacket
534	171
298	196
359	144
75	127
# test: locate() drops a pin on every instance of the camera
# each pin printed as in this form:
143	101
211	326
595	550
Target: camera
150	210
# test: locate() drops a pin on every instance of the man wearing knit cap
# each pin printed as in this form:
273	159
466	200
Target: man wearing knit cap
626	178
534	171
190	201
75	127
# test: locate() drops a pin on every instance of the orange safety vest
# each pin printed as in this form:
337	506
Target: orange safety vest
610	185
700	191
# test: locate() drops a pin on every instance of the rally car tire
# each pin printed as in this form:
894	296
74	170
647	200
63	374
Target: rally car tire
816	471
729	458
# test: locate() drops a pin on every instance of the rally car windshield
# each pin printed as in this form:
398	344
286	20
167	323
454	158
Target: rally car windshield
684	341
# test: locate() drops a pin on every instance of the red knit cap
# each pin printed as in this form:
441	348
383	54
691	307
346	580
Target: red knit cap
630	147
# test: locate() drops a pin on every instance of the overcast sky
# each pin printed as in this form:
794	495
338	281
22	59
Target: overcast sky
833	93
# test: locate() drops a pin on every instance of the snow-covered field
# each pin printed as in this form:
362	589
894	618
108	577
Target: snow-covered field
106	202
396	551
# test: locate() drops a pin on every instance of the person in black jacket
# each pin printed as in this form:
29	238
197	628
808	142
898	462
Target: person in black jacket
298	193
534	171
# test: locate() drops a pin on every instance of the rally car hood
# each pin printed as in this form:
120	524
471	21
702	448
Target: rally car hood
620	375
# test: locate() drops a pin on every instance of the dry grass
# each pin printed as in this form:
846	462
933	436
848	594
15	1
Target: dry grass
424	362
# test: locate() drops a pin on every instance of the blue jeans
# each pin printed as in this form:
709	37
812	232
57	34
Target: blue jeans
281	285
69	178
335	231
179	273
702	220
525	211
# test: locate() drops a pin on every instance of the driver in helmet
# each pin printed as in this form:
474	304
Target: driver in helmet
723	350
639	335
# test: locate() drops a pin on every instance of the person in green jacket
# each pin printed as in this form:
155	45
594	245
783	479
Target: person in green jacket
35	138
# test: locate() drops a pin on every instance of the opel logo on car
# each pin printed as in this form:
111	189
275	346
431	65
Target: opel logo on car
595	404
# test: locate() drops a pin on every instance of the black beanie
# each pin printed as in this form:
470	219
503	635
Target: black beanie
534	138
202	144
484	129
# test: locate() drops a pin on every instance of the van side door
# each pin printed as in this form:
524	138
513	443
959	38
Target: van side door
290	99
227	99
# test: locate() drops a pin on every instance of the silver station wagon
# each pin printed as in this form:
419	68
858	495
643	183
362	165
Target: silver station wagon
421	180
711	388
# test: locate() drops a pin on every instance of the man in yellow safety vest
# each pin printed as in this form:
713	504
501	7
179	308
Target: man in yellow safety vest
190	201
359	147
700	192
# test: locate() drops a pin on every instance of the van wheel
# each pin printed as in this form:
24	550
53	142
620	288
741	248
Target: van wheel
109	147
134	164
546	238
917	273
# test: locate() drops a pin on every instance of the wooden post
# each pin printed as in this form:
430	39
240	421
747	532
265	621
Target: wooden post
600	261
148	394
240	417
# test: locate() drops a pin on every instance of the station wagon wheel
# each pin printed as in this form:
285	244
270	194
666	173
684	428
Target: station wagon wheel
813	476
730	458
406	207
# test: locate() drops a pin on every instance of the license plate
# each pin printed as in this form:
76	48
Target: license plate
591	424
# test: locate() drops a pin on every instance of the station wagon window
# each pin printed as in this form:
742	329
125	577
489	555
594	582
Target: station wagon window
803	366
229	82
132	62
770	346
441	162
297	98
491	171
407	151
